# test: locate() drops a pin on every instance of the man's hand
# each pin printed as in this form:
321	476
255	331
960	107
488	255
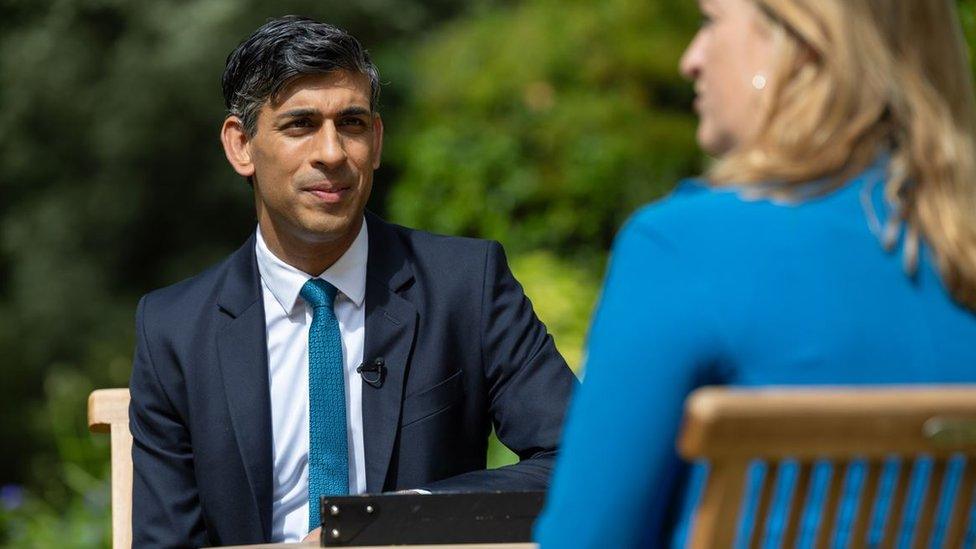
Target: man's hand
314	535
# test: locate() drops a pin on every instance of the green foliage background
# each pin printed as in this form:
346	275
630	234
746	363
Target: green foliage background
539	123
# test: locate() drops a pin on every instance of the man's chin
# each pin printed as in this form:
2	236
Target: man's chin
332	230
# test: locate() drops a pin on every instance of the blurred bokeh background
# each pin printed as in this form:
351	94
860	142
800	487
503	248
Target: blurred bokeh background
540	123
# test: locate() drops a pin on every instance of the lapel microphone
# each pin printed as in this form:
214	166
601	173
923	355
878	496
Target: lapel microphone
373	371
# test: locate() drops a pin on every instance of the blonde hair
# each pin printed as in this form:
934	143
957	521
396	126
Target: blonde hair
857	77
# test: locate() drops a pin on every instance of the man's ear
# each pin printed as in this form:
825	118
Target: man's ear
237	146
377	140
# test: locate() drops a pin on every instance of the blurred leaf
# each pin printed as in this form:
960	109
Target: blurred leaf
544	125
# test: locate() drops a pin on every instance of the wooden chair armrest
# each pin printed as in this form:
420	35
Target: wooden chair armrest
105	407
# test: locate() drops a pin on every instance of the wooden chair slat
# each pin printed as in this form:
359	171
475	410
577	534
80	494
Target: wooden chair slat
715	521
865	504
762	509
959	518
930	504
801	490
896	507
828	518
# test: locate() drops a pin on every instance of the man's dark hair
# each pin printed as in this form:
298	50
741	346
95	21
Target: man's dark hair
283	49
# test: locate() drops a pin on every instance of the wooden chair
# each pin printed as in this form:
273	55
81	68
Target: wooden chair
108	412
730	427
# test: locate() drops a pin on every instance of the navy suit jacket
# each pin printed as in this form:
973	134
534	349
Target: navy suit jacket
463	350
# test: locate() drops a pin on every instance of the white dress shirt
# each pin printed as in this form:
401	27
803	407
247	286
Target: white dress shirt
287	320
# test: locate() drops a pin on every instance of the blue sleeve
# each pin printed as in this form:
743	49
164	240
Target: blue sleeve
166	509
652	341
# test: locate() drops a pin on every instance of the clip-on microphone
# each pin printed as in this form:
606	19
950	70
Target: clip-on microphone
373	371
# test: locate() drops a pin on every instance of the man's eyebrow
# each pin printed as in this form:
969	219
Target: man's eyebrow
354	111
298	113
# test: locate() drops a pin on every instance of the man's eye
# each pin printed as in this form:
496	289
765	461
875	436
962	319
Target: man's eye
354	122
298	124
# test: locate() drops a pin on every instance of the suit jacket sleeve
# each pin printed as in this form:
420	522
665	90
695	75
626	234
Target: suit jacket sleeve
529	385
166	509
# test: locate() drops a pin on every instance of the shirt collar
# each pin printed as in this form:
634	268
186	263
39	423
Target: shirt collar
347	274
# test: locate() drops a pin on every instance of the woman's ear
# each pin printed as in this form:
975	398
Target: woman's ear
237	146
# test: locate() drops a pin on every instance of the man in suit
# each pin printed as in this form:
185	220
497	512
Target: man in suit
333	352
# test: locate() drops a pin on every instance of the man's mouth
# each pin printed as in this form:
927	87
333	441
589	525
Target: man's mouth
330	194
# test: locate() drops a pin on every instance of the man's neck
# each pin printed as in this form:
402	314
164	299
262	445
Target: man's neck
310	256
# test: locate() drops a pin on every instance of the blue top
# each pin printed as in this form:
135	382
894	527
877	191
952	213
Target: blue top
709	287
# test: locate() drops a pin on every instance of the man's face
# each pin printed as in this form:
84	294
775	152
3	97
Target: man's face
313	157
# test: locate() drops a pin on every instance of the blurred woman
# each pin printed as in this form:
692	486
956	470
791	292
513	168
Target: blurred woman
832	242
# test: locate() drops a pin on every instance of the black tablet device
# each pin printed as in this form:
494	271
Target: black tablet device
409	518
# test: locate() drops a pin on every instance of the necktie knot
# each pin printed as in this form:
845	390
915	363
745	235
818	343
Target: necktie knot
318	293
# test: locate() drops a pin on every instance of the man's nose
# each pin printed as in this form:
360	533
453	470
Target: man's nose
691	60
329	149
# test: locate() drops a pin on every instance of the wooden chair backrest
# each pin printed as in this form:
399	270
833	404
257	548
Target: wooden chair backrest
731	427
108	412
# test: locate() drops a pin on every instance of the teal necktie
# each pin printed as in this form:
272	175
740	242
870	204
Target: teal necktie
328	458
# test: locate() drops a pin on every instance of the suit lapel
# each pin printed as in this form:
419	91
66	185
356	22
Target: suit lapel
389	333
242	350
390	327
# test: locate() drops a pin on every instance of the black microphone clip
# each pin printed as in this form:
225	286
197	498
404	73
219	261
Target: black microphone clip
373	371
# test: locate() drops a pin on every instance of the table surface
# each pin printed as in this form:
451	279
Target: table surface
309	544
